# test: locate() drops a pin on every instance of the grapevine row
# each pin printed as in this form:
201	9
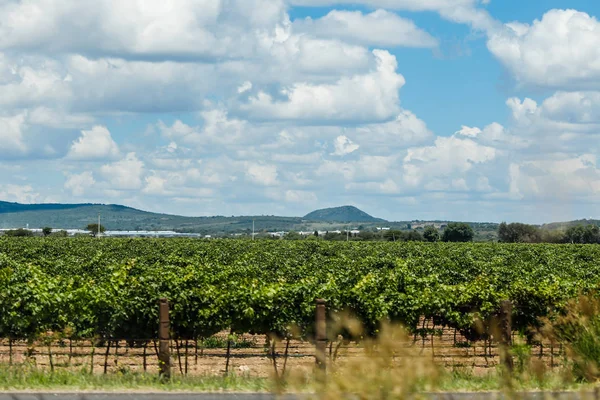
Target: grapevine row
109	288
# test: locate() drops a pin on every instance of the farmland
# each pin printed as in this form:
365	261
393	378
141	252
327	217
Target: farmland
109	288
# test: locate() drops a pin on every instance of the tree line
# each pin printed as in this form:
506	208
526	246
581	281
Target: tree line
454	232
524	233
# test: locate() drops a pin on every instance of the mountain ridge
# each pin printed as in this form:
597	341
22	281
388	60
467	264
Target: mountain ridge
341	214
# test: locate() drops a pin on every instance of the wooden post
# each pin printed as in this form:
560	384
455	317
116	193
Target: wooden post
505	334
321	335
164	352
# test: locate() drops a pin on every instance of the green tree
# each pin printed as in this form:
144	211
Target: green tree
316	233
394	236
458	232
414	236
47	231
19	233
292	235
94	229
430	234
518	233
583	234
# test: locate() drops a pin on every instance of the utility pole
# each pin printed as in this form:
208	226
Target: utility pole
252	229
98	234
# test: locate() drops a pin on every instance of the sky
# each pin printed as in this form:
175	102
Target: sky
474	110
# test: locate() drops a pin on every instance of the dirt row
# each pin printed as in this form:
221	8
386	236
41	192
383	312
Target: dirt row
447	348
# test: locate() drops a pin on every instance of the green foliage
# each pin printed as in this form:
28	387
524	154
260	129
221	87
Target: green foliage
430	234
458	232
581	234
94	229
19	233
109	288
47	231
518	233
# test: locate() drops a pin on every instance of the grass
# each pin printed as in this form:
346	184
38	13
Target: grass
463	379
24	377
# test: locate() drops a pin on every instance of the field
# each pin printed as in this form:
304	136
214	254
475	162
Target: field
72	299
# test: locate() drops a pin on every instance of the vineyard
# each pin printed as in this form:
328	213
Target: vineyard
80	289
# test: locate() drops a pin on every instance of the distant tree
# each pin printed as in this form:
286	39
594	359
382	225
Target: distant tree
518	233
316	233
94	230
61	233
413	236
458	232
291	235
47	231
591	234
19	233
583	234
394	236
365	235
553	236
430	234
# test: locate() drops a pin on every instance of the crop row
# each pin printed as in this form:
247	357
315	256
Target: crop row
108	288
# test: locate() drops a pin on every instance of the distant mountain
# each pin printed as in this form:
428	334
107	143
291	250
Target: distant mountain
341	214
7	207
117	217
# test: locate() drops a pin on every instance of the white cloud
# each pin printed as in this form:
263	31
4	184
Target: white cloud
562	50
563	179
573	107
379	28
185	29
78	184
447	158
344	146
461	11
11	135
95	144
265	175
468	131
388	137
125	174
244	87
300	196
366	98
19	193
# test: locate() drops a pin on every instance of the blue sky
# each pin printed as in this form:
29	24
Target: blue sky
409	109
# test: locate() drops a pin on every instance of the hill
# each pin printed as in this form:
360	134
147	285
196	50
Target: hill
341	214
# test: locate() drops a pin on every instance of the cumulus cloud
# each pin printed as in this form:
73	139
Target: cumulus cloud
461	11
559	51
184	29
300	196
404	131
365	98
19	193
125	174
344	146
11	135
556	179
95	144
265	175
379	28
447	158
78	184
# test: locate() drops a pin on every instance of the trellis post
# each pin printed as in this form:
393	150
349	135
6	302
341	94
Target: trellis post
164	351
321	335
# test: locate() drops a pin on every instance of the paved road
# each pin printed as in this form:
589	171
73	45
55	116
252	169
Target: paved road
266	396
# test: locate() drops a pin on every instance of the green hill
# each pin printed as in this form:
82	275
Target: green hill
341	214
